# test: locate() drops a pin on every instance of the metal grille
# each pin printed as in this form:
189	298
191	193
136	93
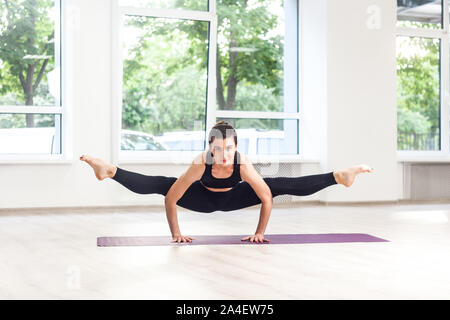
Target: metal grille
279	170
429	181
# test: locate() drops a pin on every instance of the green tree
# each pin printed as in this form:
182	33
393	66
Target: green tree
418	90
26	47
249	66
159	98
246	28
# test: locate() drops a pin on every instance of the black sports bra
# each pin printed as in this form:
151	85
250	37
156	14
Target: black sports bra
208	180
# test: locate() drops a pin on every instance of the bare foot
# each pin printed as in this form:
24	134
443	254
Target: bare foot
347	177
101	168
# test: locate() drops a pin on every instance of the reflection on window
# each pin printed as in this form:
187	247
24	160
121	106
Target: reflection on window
165	81
17	138
266	136
419	13
29	63
418	109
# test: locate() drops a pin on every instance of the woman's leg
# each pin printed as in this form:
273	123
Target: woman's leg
243	195
300	186
133	181
143	184
195	198
198	198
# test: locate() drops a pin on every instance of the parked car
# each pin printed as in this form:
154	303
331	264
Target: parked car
44	141
250	141
183	140
139	141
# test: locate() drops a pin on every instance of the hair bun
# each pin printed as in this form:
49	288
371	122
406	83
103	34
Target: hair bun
222	129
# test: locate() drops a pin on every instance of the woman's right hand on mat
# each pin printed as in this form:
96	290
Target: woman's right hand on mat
179	238
258	237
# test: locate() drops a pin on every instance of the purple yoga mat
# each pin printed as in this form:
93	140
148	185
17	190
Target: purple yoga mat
236	239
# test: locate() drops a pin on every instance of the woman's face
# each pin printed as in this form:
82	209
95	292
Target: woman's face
223	150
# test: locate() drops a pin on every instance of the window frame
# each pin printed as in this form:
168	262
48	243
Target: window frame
61	109
212	113
442	34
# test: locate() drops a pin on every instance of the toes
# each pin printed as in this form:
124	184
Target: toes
366	168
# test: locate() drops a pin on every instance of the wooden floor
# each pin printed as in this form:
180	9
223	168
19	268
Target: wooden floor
54	255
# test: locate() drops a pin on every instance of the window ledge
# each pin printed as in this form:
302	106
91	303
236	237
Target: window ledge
187	158
13	160
424	159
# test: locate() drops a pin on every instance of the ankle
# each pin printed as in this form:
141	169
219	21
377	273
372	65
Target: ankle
112	170
337	177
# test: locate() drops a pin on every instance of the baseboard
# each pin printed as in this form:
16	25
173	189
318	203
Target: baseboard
159	208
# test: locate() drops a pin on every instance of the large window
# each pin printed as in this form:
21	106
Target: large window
184	65
422	76
164	79
30	78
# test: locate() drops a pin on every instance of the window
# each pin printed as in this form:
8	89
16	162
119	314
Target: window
164	77
166	4
266	136
184	65
422	76
419	14
31	111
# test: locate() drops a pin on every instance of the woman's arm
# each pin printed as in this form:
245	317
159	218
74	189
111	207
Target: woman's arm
262	190
176	191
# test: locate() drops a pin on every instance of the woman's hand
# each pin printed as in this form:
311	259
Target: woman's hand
258	237
179	238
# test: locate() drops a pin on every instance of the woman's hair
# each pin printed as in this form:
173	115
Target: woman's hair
222	130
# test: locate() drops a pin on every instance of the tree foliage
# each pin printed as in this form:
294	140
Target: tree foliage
418	89
26	50
165	71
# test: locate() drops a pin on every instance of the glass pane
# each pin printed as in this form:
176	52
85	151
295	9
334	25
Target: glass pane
419	14
29	53
17	138
253	47
266	136
201	5
164	83
418	109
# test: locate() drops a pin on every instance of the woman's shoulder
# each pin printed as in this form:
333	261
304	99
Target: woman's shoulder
200	159
243	159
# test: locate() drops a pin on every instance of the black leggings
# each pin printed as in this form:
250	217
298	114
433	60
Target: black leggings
198	198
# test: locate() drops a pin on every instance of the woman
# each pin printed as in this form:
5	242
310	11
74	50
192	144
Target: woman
221	178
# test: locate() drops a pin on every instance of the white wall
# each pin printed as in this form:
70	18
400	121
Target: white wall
353	101
313	78
362	97
349	103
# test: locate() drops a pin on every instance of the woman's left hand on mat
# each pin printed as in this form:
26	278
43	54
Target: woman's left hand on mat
258	237
179	238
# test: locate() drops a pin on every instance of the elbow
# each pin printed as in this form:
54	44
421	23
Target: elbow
268	197
169	201
267	200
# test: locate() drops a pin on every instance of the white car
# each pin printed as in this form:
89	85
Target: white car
44	141
250	141
139	141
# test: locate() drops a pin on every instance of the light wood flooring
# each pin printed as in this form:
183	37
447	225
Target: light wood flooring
52	254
